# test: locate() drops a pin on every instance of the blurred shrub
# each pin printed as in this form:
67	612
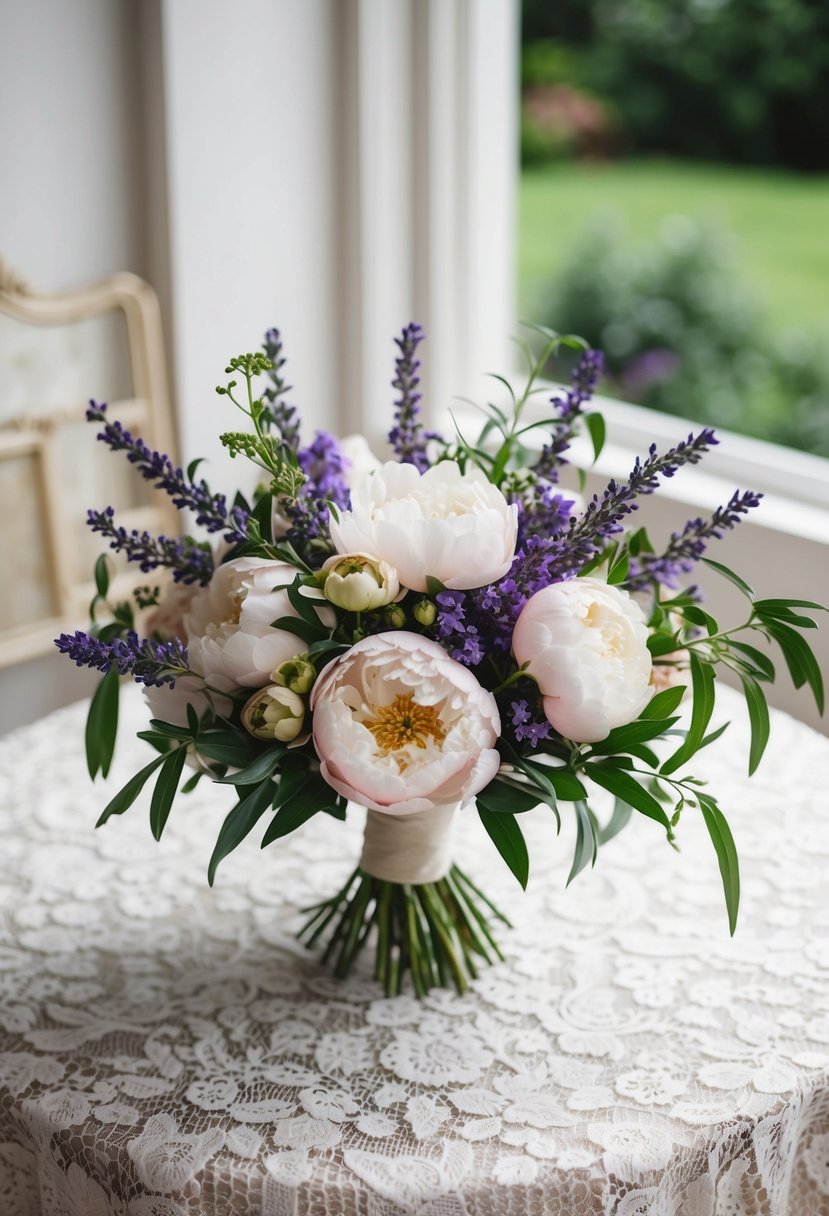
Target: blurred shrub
683	333
741	80
559	117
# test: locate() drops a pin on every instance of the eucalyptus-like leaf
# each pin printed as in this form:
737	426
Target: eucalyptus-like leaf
500	797
758	716
506	835
702	682
238	823
165	789
126	796
726	851
102	725
587	844
726	572
625	786
800	660
618	820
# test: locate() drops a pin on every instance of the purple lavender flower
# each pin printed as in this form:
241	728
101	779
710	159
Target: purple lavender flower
527	727
278	413
147	661
543	509
212	511
459	637
685	548
190	561
407	437
324	464
570	406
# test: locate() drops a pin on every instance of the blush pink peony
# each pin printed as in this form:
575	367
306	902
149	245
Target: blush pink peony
585	644
400	727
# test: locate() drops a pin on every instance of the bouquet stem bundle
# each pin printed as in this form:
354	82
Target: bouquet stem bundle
436	931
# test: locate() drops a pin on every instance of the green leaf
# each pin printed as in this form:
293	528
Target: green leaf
502	797
626	787
726	851
226	748
302	605
697	616
566	784
596	427
800	660
702	681
761	662
618	820
758	716
775	605
263	514
315	795
102	576
258	770
506	835
238	823
660	644
168	729
193	720
774	610
192	466
586	843
619	570
662	704
301	629
623	737
125	797
165	789
434	586
738	582
102	725
191	782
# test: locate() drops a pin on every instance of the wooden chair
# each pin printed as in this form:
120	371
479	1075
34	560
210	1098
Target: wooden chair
52	349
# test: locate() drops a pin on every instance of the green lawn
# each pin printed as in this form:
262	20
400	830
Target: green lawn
779	221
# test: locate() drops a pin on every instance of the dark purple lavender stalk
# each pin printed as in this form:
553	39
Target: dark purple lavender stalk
190	561
146	661
278	412
212	511
325	466
685	548
407	437
570	406
543	509
544	560
460	638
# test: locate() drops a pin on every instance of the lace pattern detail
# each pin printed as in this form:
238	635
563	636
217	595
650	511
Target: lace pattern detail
168	1050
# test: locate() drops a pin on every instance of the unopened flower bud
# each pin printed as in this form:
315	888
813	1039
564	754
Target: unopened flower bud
425	612
358	582
394	616
274	713
297	674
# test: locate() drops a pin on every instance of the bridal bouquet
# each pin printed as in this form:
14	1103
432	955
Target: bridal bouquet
448	628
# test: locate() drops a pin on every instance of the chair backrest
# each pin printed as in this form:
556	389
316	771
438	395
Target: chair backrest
56	352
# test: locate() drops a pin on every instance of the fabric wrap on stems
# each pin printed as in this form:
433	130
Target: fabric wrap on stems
413	849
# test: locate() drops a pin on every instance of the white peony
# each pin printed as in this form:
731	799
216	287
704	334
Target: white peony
586	646
230	639
400	727
456	527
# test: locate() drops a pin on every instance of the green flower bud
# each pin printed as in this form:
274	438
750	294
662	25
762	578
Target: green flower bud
395	616
297	674
425	612
274	713
358	582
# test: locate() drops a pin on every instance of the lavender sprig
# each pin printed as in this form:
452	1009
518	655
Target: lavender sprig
460	637
324	465
278	412
570	405
685	548
147	661
528	727
212	511
190	561
407	437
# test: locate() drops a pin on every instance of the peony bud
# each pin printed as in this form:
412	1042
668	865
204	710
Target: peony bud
395	617
358	582
274	713
297	674
425	612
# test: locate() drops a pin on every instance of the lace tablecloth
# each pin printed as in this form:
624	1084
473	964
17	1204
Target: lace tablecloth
168	1050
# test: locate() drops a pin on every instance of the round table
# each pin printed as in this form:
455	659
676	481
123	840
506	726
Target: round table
171	1050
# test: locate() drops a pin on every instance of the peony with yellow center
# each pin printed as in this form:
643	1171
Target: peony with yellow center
400	727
